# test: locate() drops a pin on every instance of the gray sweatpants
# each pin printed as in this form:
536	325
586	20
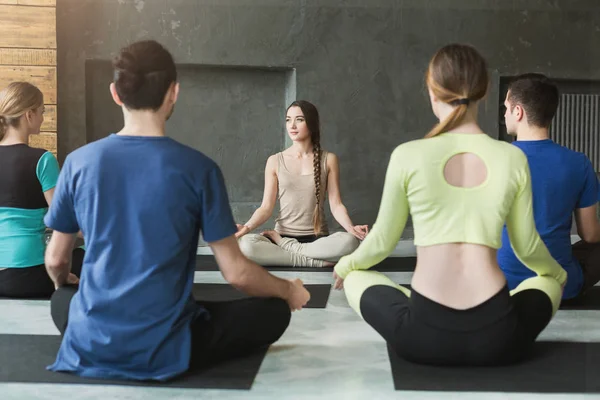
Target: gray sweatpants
292	253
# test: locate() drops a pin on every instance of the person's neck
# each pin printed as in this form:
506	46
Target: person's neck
143	123
469	123
302	149
14	136
529	133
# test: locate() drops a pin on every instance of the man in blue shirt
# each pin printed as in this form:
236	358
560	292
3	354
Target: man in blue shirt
141	200
563	183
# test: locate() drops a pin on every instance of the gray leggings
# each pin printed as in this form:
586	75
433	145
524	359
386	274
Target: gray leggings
292	253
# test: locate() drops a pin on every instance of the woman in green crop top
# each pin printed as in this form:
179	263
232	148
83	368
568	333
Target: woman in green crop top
460	187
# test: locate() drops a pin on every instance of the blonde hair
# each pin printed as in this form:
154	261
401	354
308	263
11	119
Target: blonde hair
457	75
15	100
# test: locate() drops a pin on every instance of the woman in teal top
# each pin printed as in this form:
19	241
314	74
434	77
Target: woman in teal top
460	187
27	180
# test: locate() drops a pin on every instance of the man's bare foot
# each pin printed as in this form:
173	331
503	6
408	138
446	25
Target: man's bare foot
273	235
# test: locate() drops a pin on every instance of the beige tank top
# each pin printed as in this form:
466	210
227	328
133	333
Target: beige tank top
297	199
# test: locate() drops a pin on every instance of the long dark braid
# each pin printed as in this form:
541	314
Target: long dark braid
311	116
317	215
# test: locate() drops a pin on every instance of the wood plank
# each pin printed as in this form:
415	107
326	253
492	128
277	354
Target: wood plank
46	3
45	140
49	118
37	2
28	27
43	77
9	56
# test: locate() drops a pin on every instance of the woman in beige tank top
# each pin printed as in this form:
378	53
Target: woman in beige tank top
299	177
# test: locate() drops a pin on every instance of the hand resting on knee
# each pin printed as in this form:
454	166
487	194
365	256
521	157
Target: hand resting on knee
253	279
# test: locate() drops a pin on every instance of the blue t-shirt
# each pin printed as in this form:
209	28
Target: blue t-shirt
562	180
140	203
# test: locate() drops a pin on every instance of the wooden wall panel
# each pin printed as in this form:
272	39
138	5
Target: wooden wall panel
24	57
45	140
43	3
47	3
28	53
28	27
49	119
43	77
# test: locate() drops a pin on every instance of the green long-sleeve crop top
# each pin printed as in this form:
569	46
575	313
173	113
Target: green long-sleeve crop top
442	213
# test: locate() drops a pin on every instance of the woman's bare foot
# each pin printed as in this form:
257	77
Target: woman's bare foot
328	264
273	236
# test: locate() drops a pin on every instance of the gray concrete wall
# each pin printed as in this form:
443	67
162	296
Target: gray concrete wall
360	62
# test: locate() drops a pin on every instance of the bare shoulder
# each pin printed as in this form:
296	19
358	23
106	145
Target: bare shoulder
272	164
332	159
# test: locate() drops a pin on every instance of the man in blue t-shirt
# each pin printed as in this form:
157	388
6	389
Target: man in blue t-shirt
141	200
563	182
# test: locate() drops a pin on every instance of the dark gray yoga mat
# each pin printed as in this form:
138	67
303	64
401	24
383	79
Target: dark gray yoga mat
591	301
319	293
25	357
392	264
554	367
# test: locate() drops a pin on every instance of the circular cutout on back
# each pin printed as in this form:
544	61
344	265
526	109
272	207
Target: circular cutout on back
465	170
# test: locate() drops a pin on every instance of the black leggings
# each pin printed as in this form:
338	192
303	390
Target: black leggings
34	282
235	327
303	239
499	331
